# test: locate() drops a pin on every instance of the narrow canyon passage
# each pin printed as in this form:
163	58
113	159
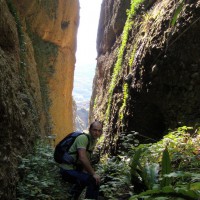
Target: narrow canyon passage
143	80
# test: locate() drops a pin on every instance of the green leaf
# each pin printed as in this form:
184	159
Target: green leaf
176	13
135	161
195	186
150	174
166	168
188	193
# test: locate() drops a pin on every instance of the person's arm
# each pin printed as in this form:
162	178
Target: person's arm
86	164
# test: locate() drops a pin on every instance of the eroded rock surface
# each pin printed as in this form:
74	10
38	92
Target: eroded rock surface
52	27
37	57
163	76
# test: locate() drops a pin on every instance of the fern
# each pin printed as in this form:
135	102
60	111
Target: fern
166	168
150	175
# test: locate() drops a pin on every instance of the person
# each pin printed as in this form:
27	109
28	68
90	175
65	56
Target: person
83	174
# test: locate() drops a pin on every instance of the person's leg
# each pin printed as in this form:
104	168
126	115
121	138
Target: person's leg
92	191
71	177
76	191
85	179
66	176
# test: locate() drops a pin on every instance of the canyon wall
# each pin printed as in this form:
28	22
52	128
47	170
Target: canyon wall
37	58
148	69
52	27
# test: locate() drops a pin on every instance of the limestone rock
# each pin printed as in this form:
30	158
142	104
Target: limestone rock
162	56
37	58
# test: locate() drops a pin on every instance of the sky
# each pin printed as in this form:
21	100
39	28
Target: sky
87	31
86	49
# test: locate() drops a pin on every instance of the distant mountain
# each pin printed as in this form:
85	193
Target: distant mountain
81	119
83	80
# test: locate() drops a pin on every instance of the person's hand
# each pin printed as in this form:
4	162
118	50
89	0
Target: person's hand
97	178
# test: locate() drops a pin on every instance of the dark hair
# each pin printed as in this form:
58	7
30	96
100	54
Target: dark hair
96	121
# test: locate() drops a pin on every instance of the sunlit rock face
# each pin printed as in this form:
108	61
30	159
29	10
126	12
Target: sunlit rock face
82	119
111	23
160	67
37	57
56	23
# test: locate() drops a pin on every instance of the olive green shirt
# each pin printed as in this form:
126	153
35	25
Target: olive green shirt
80	142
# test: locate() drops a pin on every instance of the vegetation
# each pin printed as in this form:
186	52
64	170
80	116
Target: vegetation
167	170
126	86
39	177
125	95
177	12
118	65
132	56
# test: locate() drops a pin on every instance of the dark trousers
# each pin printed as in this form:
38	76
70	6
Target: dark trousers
81	180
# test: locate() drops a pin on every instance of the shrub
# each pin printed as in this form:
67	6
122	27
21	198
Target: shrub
39	176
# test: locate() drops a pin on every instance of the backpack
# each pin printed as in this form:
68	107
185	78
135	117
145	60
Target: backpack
61	154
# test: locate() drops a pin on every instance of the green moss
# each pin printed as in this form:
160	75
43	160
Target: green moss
132	56
118	65
125	97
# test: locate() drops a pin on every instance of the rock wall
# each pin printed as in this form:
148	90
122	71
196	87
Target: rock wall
147	76
20	123
52	27
37	57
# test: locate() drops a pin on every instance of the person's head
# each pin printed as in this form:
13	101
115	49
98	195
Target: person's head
96	129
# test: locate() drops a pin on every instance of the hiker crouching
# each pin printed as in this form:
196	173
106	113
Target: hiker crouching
82	173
